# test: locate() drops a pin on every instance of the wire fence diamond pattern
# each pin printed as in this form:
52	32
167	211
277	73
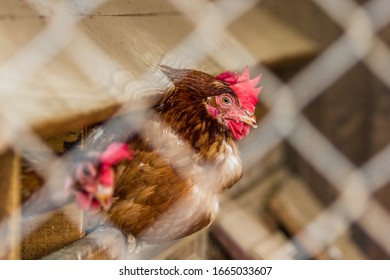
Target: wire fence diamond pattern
285	121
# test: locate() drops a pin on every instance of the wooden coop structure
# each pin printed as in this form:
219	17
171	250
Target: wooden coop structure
72	64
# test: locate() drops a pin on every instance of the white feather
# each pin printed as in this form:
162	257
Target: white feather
209	179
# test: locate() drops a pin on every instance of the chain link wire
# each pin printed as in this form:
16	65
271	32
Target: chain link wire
286	101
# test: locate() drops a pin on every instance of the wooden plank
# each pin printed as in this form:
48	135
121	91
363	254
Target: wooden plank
190	247
9	205
255	198
307	17
103	243
270	40
295	207
243	228
243	235
17	15
342	113
110	243
267	248
259	170
46	233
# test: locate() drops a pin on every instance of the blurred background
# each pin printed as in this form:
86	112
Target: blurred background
317	169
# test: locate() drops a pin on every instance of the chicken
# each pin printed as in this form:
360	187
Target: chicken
176	165
93	177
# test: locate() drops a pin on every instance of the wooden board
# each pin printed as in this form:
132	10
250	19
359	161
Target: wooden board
243	235
110	243
9	205
103	243
295	207
191	247
49	232
270	40
52	232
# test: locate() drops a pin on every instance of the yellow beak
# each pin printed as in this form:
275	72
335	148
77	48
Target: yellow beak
249	119
104	196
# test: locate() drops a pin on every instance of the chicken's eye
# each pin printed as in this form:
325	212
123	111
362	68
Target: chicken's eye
226	100
86	171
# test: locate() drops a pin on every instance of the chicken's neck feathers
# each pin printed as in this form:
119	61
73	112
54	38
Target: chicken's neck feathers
188	117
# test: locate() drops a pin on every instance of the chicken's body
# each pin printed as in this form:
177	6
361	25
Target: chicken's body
169	189
185	155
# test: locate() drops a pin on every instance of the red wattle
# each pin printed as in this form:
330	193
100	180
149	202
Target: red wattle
239	129
83	200
107	176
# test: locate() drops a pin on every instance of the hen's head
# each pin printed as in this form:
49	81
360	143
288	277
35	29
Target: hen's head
230	98
93	178
239	117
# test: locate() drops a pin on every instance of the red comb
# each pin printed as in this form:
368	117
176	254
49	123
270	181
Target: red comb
243	86
114	153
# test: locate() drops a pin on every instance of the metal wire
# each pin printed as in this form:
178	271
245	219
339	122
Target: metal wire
360	43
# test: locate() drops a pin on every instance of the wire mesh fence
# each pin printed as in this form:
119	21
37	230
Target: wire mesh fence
360	44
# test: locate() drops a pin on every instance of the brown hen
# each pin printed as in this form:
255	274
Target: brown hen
184	154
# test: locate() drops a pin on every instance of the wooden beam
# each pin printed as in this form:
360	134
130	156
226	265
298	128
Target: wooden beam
244	236
270	40
48	232
110	243
103	243
9	205
295	207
